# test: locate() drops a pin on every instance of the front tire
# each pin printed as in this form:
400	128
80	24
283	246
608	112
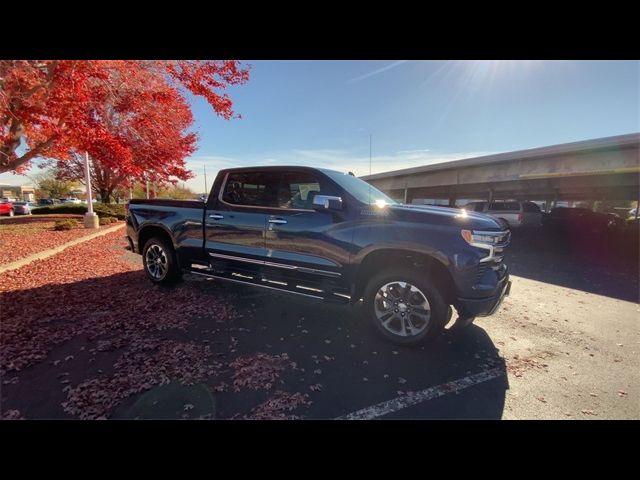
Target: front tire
160	263
405	306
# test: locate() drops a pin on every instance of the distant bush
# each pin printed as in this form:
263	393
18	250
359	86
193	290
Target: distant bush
101	209
110	210
70	209
107	220
68	224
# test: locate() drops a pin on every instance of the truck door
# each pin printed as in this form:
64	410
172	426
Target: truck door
235	221
304	244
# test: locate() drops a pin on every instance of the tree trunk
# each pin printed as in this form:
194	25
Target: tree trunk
104	195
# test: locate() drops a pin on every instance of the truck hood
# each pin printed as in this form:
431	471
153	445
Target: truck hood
446	216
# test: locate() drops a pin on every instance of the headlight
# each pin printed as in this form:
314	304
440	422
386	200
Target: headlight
476	239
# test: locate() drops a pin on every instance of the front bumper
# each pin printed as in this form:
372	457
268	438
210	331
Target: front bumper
482	307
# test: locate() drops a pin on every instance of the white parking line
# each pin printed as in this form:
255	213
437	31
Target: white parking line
413	398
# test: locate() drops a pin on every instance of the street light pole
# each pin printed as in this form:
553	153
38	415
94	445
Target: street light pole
90	218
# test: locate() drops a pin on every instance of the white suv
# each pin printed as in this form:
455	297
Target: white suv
516	214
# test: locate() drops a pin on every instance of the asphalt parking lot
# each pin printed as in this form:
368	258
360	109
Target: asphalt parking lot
563	345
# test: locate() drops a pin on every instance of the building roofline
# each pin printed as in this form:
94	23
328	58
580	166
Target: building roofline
559	149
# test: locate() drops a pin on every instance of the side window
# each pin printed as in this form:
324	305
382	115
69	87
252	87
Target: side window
505	206
530	207
297	190
258	189
479	207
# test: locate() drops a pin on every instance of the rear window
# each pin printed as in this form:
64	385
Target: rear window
503	206
252	189
530	207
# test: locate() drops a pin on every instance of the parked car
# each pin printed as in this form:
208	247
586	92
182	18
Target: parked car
580	219
515	214
6	207
70	200
331	236
46	201
23	208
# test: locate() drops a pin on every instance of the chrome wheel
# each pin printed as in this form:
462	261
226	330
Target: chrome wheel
157	264
402	309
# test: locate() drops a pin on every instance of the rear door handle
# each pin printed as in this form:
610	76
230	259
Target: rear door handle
277	221
216	216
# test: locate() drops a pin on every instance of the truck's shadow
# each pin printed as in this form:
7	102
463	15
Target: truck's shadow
353	367
357	369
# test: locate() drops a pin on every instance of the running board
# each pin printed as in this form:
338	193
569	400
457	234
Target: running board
245	279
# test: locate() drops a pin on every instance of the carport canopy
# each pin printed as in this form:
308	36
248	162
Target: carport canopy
600	169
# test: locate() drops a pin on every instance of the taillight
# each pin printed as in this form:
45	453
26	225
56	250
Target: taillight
519	217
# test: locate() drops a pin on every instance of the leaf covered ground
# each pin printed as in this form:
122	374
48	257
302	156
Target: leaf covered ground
24	236
89	331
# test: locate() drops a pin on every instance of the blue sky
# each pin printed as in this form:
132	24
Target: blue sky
322	112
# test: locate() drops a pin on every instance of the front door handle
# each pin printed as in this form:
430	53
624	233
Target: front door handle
277	221
216	216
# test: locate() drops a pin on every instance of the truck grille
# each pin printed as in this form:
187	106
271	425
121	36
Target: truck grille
481	269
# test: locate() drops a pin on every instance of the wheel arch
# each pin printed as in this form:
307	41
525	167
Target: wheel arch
148	232
385	258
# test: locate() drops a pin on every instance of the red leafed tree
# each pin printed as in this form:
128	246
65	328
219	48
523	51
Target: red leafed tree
131	116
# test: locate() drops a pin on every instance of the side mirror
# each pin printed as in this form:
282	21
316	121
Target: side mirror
327	202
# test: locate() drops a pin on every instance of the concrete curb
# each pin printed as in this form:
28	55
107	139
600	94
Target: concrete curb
53	251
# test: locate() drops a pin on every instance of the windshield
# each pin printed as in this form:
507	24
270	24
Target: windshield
360	189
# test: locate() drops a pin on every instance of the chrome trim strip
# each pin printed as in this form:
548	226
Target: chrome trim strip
314	271
494	234
239	259
309	288
199	266
275	282
280	265
348	297
242	276
257	285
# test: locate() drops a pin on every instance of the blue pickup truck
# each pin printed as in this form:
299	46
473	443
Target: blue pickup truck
328	235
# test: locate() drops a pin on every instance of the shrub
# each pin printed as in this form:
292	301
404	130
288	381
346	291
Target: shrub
71	209
101	209
68	224
107	220
110	210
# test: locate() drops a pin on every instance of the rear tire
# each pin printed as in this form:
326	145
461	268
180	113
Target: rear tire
160	262
405	306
